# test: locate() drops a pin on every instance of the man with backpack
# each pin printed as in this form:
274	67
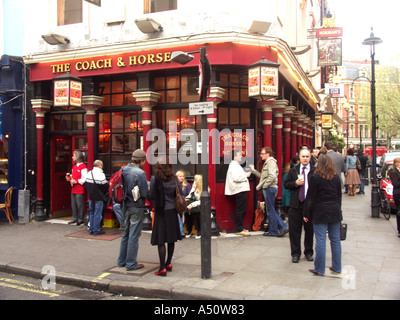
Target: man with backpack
116	192
133	178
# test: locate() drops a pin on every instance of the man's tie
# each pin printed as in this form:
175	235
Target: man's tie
302	193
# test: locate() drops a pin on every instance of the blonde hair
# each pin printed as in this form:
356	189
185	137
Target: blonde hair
198	180
396	161
184	183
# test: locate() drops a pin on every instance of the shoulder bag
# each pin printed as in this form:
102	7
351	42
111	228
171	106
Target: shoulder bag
180	203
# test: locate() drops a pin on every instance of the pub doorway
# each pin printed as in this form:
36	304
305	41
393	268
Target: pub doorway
61	150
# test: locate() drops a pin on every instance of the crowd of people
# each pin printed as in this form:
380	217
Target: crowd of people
311	187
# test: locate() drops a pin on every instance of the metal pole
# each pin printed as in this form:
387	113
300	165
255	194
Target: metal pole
375	200
205	201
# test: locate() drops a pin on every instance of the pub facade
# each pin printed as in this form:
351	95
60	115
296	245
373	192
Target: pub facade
132	87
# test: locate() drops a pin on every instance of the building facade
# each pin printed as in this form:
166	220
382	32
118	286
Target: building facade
122	53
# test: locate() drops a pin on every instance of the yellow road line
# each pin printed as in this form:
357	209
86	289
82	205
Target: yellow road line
25	286
105	274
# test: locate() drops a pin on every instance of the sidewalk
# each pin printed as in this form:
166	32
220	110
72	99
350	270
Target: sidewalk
254	267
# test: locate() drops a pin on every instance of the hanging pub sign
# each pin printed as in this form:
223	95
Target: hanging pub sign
327	120
263	79
329	52
67	91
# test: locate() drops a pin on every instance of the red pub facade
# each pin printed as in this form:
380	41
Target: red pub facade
133	89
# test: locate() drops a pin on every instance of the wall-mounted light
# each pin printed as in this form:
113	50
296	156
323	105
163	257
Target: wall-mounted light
264	79
259	26
67	91
55	39
148	25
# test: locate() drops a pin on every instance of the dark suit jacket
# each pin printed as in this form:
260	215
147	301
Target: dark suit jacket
290	184
324	199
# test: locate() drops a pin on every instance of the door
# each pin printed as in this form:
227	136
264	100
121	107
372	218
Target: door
62	148
60	165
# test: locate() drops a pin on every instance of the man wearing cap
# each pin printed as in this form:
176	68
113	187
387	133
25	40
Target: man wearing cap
132	210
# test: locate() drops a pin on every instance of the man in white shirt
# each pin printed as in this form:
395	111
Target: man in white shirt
238	185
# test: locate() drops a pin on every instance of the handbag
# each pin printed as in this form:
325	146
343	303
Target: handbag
180	203
343	231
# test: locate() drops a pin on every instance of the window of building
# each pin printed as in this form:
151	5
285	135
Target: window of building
180	88
235	85
4	159
151	6
172	122
118	93
120	133
69	12
68	121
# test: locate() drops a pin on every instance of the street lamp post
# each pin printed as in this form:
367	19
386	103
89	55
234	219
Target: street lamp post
375	200
205	201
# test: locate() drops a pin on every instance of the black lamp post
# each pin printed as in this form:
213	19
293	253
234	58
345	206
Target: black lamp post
375	200
205	201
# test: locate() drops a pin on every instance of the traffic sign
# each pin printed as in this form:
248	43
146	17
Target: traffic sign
201	108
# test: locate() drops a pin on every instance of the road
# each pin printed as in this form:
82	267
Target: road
15	287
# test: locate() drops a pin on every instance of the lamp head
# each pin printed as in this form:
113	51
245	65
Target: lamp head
372	40
181	57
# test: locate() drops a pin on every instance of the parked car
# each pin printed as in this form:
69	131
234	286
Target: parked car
387	156
386	184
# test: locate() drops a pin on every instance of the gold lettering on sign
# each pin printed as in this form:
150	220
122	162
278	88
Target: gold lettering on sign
120	62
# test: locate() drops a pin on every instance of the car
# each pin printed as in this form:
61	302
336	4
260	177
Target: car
386	184
389	156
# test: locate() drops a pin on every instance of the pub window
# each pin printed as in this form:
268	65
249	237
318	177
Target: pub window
4	158
175	142
118	93
180	88
233	116
235	85
151	6
69	12
120	133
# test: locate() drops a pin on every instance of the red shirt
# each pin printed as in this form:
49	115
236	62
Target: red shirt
78	173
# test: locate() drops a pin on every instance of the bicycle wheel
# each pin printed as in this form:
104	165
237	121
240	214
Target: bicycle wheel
385	207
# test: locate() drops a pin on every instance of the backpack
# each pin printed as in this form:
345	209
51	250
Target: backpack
116	189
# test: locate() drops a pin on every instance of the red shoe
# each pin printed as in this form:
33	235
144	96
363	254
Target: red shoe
169	267
162	273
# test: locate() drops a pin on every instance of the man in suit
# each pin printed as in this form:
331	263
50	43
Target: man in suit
338	160
297	182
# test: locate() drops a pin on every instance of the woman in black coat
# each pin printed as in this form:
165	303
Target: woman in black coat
394	175
323	208
166	225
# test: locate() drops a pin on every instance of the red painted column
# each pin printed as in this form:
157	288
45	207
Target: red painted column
40	107
91	104
216	95
293	134
147	100
278	111
300	131
267	120
303	117
287	116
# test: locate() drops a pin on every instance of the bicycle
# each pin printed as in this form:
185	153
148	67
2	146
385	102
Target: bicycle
384	201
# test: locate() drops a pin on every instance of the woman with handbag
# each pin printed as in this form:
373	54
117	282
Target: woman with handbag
323	208
163	189
352	179
394	175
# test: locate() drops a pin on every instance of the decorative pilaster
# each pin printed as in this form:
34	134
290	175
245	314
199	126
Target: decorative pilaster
278	111
147	100
40	107
216	95
91	104
293	133
266	107
287	120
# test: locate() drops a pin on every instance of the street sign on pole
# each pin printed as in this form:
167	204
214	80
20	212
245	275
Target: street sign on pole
201	108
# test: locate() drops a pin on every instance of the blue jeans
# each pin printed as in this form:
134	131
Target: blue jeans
130	239
118	213
181	224
320	246
95	213
276	224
